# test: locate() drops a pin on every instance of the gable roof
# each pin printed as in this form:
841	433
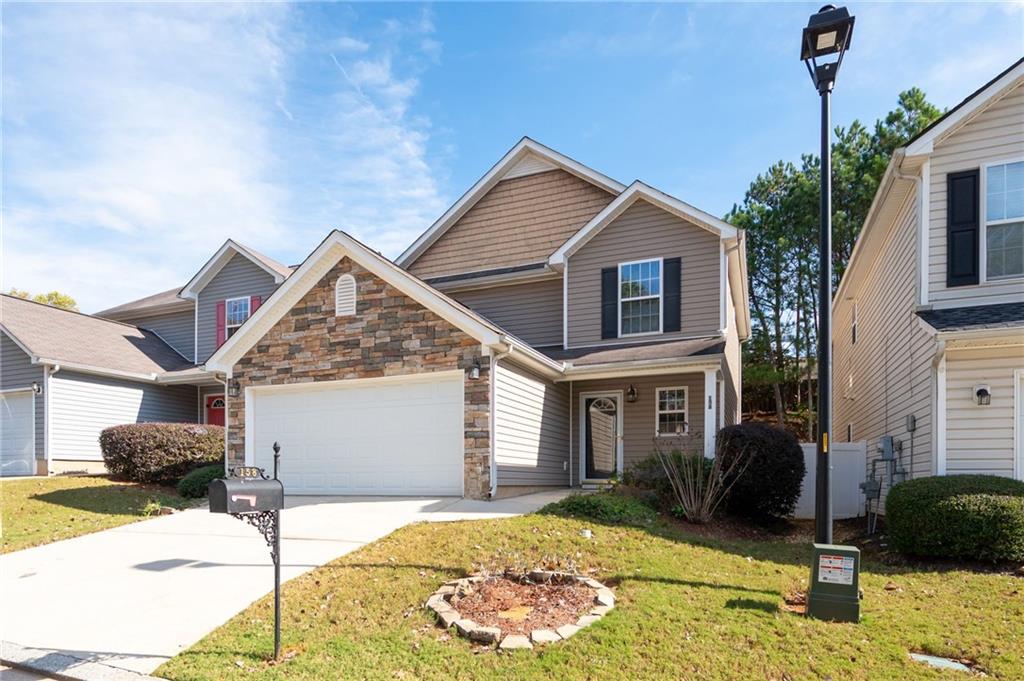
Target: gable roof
339	245
227	251
165	301
526	157
963	112
50	335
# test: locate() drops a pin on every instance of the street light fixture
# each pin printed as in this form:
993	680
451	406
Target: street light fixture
833	592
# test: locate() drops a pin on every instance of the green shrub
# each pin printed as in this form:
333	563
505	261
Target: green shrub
958	516
193	485
767	484
160	452
606	507
649	474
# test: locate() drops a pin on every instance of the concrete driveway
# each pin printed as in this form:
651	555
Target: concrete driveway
134	596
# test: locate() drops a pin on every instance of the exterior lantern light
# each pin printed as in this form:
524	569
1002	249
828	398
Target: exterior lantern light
631	393
474	371
982	395
835	570
37	389
233	388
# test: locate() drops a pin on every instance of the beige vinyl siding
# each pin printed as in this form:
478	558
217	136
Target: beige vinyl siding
17	371
996	134
891	362
531	428
645	231
240	277
531	311
980	439
639	418
519	221
732	367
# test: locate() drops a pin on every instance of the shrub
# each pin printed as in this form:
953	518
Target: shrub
193	485
958	516
606	507
698	484
160	452
768	486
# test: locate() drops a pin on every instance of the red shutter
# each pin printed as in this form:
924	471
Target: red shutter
254	304
221	330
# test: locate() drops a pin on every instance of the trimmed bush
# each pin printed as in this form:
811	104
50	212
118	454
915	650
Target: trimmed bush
160	452
958	516
768	482
193	485
606	507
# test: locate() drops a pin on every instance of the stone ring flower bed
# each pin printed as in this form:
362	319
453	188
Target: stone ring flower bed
520	611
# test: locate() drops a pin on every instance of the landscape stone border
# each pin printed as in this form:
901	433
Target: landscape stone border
439	603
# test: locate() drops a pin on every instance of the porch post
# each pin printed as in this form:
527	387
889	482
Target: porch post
710	411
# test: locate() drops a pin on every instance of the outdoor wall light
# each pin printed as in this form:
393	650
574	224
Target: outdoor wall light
233	388
37	389
631	393
982	395
474	371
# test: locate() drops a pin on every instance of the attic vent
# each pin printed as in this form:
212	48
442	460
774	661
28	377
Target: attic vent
345	296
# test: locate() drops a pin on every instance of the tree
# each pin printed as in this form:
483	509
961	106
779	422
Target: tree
53	298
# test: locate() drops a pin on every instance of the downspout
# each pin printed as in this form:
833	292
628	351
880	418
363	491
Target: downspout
48	372
493	410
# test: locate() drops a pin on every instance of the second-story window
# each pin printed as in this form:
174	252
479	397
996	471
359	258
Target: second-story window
1004	220
236	311
640	297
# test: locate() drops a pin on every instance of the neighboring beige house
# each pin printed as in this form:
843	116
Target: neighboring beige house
929	316
546	331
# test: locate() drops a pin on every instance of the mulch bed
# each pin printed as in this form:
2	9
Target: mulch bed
520	607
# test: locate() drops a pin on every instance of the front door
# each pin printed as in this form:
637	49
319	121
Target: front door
601	424
215	410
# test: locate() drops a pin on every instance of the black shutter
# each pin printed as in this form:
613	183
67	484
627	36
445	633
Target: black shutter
672	303
962	233
610	302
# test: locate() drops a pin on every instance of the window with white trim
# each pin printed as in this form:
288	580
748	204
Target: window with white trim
640	297
671	409
345	296
853	325
1004	220
236	311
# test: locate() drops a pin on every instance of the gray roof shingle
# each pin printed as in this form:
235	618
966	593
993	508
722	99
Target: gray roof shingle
678	349
977	317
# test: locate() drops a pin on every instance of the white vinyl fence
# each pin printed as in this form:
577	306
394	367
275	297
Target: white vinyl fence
849	469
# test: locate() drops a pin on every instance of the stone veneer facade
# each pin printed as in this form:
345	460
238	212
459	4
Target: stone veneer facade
390	335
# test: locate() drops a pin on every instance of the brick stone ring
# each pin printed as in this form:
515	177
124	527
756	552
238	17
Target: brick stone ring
443	602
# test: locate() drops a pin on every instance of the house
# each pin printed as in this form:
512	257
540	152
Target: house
929	316
545	331
65	376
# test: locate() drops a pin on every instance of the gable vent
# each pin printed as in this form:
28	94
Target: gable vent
345	296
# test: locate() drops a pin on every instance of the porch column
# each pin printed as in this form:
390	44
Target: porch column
710	411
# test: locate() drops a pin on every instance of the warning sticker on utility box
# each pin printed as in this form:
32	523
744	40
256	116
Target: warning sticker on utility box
835	569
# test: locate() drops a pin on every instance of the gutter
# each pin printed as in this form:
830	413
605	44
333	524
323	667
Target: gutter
493	390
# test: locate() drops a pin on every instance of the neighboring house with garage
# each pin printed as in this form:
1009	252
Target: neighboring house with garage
546	331
929	316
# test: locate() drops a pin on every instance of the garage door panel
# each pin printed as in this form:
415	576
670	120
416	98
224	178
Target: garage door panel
364	437
17	433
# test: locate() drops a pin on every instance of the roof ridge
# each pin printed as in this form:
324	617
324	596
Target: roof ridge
77	312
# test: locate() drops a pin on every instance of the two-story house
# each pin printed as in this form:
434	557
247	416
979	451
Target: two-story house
547	330
929	316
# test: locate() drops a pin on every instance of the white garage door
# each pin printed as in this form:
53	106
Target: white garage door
17	433
365	437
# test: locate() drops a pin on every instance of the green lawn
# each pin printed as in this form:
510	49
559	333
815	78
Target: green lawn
42	510
688	607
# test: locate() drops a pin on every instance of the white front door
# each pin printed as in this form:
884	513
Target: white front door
366	436
600	435
17	433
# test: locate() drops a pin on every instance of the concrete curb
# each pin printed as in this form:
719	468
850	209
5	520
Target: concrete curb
63	665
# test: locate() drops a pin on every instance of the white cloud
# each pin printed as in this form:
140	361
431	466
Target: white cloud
348	44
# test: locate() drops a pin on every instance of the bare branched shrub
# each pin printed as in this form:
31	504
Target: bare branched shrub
699	485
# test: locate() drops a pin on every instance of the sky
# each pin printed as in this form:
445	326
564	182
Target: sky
136	138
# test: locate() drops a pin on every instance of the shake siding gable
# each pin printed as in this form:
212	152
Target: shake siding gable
239	277
519	221
645	231
531	311
17	371
531	428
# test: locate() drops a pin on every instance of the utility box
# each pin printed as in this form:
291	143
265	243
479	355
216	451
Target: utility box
245	495
834	592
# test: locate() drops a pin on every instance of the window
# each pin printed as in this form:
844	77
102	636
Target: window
671	408
236	311
853	326
640	298
345	296
849	432
1004	220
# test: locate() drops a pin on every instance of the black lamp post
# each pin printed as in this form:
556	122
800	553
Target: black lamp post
825	41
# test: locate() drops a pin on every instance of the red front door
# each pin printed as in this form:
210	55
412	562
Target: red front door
215	410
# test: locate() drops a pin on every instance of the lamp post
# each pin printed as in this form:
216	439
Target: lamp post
835	572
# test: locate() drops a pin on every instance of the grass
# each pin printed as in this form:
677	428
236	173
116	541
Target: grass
688	607
37	511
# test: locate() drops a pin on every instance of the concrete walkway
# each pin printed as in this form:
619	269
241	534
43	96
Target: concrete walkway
132	597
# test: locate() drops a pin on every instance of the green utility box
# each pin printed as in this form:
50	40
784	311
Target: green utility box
834	592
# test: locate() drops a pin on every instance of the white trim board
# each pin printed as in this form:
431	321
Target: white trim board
214	265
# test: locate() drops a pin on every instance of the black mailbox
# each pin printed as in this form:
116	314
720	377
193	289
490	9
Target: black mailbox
245	495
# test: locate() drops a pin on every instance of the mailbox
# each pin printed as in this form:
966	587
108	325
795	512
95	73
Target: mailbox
245	495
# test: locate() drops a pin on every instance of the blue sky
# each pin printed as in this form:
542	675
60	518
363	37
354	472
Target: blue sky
136	138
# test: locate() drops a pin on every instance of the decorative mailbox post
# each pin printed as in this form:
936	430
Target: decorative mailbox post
251	496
